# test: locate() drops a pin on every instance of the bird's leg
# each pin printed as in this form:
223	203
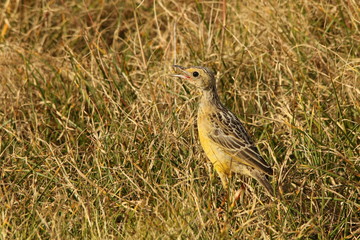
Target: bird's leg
225	183
223	209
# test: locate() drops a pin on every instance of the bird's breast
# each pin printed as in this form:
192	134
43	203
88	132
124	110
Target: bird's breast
216	155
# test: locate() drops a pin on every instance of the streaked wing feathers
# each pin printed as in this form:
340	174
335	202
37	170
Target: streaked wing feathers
230	134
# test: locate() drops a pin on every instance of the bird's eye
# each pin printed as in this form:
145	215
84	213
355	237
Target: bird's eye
195	74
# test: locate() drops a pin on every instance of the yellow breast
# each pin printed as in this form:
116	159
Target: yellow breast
220	160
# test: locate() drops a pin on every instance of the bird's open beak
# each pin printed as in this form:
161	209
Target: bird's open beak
182	69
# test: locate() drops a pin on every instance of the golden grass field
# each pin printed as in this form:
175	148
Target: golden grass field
98	142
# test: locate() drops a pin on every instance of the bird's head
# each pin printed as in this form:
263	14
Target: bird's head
201	77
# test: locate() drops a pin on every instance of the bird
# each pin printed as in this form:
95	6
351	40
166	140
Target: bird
224	139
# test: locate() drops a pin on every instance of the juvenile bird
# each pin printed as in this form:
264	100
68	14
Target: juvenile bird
222	136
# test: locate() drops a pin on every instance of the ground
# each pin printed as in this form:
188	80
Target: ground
98	142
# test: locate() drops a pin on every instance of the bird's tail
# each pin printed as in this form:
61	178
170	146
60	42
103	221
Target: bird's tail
262	179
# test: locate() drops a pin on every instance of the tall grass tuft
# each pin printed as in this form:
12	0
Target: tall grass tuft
97	142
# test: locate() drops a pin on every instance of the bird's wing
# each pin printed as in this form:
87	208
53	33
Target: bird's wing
230	134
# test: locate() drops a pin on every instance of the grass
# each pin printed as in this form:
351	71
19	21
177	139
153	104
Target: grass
97	142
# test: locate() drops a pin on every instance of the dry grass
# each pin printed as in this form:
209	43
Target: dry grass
97	142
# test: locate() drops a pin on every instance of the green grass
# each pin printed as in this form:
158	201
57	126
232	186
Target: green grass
98	142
